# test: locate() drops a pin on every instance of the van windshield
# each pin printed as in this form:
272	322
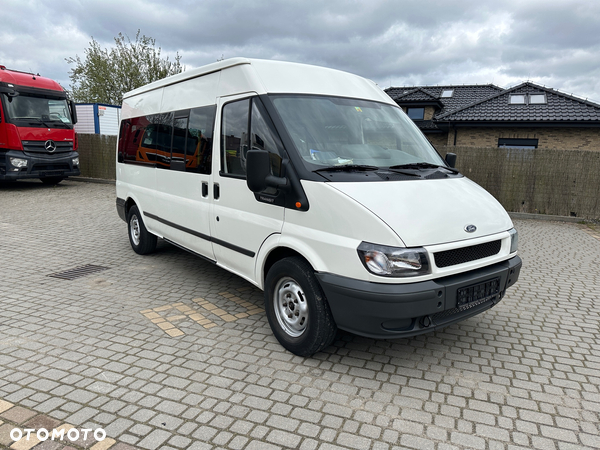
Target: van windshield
333	131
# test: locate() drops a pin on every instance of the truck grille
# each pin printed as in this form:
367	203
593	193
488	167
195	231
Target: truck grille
462	255
40	147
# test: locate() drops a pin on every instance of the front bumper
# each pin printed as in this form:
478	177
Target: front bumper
381	310
38	166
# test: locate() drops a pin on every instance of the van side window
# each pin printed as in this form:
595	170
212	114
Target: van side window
200	139
179	143
132	131
156	143
234	137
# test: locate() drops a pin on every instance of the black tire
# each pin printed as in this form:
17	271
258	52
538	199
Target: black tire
297	309
140	239
52	180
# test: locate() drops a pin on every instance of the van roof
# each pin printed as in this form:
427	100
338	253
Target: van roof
280	77
189	74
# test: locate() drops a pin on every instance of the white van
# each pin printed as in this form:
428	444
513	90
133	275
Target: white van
314	186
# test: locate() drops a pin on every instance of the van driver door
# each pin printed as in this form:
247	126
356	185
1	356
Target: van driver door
240	220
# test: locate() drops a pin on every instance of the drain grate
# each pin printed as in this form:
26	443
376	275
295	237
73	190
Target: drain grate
78	272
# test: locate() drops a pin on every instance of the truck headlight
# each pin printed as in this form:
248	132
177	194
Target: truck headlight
514	240
18	162
393	261
75	162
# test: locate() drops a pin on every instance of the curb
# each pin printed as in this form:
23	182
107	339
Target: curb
92	180
547	217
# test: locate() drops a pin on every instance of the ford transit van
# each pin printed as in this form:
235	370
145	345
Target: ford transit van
313	185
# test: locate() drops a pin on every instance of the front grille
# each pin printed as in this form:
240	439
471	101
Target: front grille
40	146
462	255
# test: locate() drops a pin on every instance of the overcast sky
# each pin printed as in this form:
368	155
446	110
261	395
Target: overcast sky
395	43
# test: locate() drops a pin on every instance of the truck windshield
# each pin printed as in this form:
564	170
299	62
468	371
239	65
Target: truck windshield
32	111
333	131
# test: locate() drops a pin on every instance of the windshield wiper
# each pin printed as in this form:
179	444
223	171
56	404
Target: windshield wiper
346	167
38	121
423	165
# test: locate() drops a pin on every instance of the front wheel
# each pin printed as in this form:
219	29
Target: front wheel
142	241
297	309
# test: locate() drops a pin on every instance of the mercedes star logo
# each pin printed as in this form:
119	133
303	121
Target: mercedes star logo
50	146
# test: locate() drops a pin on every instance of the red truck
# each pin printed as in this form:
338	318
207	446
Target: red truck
37	139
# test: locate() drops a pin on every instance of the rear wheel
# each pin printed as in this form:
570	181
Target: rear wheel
297	309
142	241
52	180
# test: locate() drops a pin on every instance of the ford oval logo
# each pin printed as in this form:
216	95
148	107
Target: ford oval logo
470	228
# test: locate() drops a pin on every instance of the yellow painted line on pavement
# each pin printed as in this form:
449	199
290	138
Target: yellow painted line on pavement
166	316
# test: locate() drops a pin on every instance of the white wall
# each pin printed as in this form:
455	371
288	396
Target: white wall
110	117
85	119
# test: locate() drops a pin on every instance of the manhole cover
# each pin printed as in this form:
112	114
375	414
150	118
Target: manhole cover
78	272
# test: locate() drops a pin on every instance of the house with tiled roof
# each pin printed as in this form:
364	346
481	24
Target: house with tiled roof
524	116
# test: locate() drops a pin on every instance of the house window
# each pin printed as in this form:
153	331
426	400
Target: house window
447	93
517	143
416	113
537	99
527	99
517	99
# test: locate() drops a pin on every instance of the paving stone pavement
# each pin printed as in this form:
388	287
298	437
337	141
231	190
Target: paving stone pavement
168	351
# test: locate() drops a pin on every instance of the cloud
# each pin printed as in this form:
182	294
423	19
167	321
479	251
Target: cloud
389	41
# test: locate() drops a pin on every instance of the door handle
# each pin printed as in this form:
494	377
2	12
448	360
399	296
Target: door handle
216	191
204	189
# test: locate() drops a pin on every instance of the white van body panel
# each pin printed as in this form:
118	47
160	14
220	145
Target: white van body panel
332	230
244	75
199	91
431	212
283	78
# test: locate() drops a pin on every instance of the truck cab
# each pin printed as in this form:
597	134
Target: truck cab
37	139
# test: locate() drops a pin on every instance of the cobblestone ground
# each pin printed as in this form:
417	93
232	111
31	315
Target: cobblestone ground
167	351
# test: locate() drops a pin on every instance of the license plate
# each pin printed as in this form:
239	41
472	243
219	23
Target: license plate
478	292
52	173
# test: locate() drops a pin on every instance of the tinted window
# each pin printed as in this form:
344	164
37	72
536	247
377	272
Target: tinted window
130	136
156	142
200	139
180	143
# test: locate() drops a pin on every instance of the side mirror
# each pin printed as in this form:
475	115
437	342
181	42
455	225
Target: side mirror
73	112
451	159
258	172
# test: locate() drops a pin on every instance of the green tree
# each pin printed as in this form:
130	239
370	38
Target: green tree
106	74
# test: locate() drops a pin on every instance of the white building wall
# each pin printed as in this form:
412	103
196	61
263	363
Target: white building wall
85	119
110	117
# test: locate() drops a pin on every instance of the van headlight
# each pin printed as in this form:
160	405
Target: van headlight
514	240
393	261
